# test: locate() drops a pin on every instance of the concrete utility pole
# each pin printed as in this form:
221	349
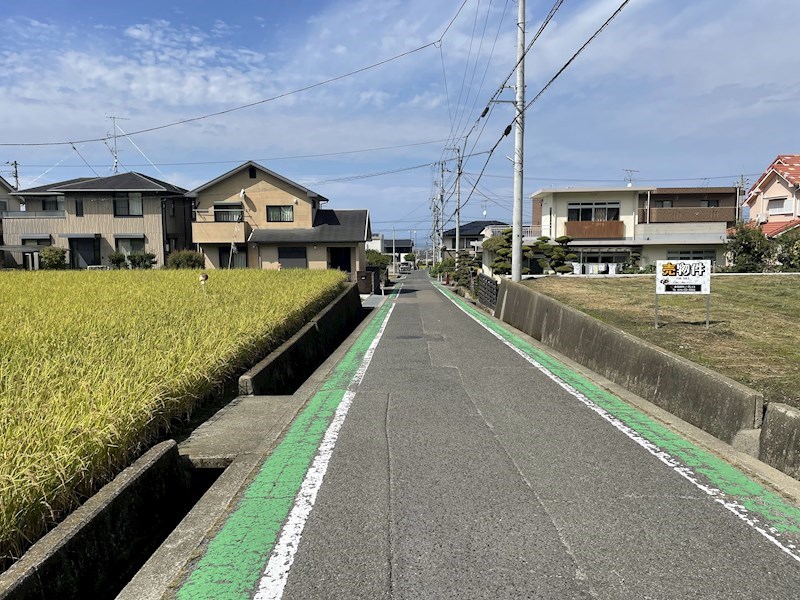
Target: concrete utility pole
440	236
15	165
516	222
394	253
458	204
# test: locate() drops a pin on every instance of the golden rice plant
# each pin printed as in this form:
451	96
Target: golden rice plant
92	364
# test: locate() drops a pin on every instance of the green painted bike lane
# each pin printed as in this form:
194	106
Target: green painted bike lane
761	508
237	555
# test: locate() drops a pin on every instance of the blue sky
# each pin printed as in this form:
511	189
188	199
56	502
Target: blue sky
684	92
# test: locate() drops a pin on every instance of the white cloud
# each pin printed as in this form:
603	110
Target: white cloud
670	89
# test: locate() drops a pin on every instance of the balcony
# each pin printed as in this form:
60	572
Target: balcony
594	230
723	214
528	231
33	214
211	232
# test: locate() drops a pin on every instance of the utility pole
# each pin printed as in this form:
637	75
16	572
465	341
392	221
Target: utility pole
394	253
440	234
458	205
741	186
15	166
516	222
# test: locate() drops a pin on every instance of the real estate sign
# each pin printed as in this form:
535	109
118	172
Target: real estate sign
683	277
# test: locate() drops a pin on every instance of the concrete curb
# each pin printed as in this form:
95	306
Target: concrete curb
291	360
782	483
90	552
704	398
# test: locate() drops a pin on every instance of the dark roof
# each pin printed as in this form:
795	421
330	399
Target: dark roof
473	228
248	164
48	189
692	190
122	182
329	226
387	243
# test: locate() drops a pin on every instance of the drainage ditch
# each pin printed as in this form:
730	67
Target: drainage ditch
96	551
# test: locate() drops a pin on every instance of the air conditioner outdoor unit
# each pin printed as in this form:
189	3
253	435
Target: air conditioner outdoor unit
761	218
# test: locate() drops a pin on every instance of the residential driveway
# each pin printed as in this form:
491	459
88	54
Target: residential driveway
464	469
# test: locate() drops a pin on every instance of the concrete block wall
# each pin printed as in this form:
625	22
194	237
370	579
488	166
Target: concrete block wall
301	354
704	398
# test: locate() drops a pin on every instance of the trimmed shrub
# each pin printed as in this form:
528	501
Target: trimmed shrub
186	259
53	257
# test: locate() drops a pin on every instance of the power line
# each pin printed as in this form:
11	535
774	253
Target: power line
549	83
272	158
257	102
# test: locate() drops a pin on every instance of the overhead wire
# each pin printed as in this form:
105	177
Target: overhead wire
548	84
255	103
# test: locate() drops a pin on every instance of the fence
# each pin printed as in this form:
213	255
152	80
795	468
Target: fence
487	291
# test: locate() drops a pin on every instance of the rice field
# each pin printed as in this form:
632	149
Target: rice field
93	364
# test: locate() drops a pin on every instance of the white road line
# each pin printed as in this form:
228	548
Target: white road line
280	562
770	533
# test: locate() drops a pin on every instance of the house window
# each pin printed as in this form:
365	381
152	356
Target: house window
128	204
688	254
293	257
230	212
50	203
778	206
251	172
662	203
233	256
130	246
78	207
280	214
593	211
3	206
36	242
709	203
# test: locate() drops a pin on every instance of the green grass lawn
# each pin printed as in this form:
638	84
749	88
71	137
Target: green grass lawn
754	335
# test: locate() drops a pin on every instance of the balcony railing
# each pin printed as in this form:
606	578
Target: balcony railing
724	214
33	214
528	231
594	230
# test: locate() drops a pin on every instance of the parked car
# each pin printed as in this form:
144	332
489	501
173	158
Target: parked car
405	267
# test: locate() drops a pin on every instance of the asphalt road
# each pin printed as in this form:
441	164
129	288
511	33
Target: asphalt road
462	471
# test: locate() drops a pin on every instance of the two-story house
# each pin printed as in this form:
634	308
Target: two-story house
774	201
607	225
254	217
92	217
469	236
7	202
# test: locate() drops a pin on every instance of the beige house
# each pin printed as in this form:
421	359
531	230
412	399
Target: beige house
774	201
7	203
93	217
252	217
607	225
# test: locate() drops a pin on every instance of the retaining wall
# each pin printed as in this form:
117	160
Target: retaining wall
700	396
95	548
779	443
297	358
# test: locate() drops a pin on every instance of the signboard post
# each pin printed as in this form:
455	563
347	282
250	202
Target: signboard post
684	277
